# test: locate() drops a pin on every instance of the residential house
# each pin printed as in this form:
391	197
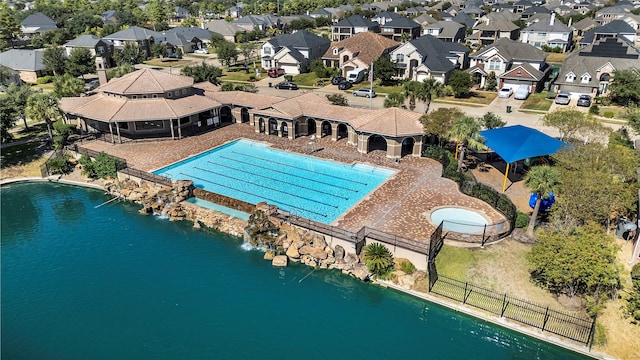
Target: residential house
634	21
37	23
615	28
352	25
584	8
425	20
449	31
96	46
521	6
429	57
177	44
583	26
293	52
228	30
400	29
415	11
591	69
474	12
534	10
142	37
611	13
358	51
109	17
489	31
321	13
200	37
514	63
548	32
464	19
258	22
235	11
28	63
180	14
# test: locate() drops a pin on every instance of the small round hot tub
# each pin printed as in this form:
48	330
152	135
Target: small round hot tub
460	220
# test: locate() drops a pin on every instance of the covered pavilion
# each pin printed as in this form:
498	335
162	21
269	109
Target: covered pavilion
517	142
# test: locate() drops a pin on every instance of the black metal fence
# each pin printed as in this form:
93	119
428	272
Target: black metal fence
570	326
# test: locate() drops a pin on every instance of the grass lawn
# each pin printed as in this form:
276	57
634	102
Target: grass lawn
35	130
537	101
618	112
475	97
378	88
455	261
307	79
168	62
45	87
557	57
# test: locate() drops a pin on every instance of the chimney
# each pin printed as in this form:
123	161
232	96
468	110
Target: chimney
487	21
570	21
101	70
553	19
202	25
395	10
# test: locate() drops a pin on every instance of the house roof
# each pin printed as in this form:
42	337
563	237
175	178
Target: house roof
436	52
514	50
498	24
176	39
425	18
365	46
613	28
191	32
449	29
22	60
464	19
134	33
536	10
258	20
299	39
88	41
401	23
355	21
147	81
545	25
516	72
224	28
38	20
585	23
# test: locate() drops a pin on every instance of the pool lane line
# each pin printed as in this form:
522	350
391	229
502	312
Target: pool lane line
299	168
278	180
251	194
286	173
265	187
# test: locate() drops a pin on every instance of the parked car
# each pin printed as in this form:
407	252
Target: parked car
336	80
584	100
521	93
344	85
370	93
505	92
201	51
275	72
287	85
92	85
563	98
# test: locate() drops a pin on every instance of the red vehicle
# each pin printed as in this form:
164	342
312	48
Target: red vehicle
274	73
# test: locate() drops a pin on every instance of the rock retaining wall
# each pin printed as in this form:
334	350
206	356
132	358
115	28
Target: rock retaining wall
224	201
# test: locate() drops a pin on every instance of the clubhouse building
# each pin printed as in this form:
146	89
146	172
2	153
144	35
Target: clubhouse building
150	104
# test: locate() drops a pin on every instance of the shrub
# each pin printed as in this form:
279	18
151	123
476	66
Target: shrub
378	259
600	335
252	78
106	166
608	114
594	110
87	166
44	79
59	164
522	220
407	267
288	77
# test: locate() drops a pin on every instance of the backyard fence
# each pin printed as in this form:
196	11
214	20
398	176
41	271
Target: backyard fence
570	326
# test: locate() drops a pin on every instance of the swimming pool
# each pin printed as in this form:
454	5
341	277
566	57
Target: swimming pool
460	220
305	186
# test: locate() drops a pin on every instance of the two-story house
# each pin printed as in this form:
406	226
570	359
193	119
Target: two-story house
490	31
429	57
180	14
199	37
142	37
227	29
293	52
449	31
96	46
358	51
352	25
259	22
591	69
37	23
385	17
109	17
400	29
515	63
611	13
548	32
613	29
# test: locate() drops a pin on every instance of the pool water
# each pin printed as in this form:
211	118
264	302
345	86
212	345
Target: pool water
460	220
305	186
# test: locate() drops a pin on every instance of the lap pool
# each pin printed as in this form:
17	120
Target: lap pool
317	189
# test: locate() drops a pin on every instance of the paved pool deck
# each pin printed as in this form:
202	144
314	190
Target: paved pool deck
399	206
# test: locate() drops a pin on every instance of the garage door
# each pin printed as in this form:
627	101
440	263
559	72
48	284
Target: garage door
514	85
290	69
575	91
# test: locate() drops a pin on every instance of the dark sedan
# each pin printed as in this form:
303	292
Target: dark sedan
286	85
345	85
584	100
336	80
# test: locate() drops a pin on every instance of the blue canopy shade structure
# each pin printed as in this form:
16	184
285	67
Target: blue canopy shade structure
519	142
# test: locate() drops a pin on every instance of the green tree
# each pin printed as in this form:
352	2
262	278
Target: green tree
130	54
216	39
466	133
43	107
54	60
247	50
378	259
121	70
203	72
19	96
440	122
62	132
491	84
394	99
80	62
157	11
461	82
158	50
632	114
569	122
8	117
384	69
411	90
491	121
621	137
429	88
67	86
338	99
302	24
541	180
318	68
9	27
227	53
625	86
578	261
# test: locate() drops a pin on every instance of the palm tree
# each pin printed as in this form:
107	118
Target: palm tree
541	180
466	133
378	259
429	89
410	91
43	107
394	99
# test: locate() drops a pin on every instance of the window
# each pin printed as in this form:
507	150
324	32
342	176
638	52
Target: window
154	96
185	120
134	97
400	58
100	49
184	91
169	94
570	77
123	125
144	96
149	125
267	50
494	64
542	34
585	79
335	51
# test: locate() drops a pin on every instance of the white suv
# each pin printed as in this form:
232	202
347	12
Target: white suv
365	92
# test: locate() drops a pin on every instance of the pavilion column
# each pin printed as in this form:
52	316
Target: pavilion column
506	175
173	137
113	141
118	131
179	131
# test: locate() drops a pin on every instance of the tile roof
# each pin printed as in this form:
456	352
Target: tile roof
514	50
355	21
544	25
38	20
223	27
25	60
88	41
436	52
191	32
401	23
449	29
147	81
497	24
134	33
299	39
365	46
